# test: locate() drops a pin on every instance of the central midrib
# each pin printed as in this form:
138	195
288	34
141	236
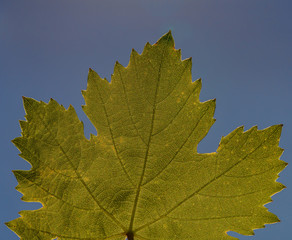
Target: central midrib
148	147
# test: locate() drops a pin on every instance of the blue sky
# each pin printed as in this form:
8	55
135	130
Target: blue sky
241	50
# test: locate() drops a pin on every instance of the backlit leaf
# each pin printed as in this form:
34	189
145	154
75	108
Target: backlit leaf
141	177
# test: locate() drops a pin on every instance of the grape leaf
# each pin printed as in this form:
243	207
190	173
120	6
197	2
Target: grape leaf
141	177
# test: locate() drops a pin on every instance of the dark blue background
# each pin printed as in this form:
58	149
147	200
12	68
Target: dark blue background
241	50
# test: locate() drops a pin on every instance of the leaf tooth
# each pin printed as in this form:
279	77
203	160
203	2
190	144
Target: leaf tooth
134	52
92	73
187	63
23	125
133	56
17	142
118	67
225	139
278	132
21	144
51	100
252	129
277	128
147	48
53	103
198	86
71	109
117	64
94	77
117	75
166	39
30	104
272	217
198	81
178	54
84	107
212	102
274	131
188	60
280	186
285	163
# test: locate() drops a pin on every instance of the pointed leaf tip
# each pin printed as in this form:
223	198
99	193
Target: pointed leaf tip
117	64
28	103
166	39
91	73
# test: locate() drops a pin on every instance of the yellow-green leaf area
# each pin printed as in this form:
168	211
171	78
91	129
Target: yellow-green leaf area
141	177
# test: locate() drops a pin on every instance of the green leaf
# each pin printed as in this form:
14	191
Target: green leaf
141	177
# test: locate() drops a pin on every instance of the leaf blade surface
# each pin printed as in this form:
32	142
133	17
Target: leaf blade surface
142	176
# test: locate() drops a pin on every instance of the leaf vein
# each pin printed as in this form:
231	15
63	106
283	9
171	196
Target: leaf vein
201	188
176	153
148	144
108	214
